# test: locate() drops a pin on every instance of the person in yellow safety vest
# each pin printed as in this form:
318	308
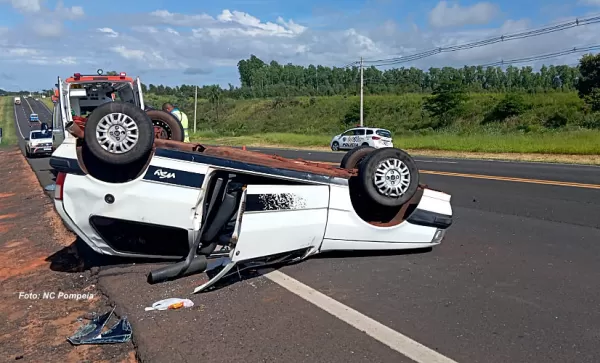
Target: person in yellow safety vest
180	116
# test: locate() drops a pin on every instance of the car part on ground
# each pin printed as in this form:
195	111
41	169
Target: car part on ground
165	125
118	133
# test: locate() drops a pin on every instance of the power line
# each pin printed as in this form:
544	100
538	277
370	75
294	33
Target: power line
481	43
544	56
561	53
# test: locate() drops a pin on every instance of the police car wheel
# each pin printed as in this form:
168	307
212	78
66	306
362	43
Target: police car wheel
335	146
119	133
389	177
355	156
166	125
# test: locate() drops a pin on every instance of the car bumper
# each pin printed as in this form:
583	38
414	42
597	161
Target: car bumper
41	150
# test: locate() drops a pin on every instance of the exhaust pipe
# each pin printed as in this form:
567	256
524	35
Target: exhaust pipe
193	263
179	269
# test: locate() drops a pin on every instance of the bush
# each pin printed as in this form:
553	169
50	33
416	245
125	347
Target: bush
555	121
510	106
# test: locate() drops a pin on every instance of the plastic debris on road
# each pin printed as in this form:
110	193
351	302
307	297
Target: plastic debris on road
92	332
170	304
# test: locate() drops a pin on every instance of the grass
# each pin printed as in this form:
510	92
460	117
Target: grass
583	142
7	121
48	102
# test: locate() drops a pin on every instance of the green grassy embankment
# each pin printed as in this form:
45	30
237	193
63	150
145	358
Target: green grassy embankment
48	102
311	122
7	121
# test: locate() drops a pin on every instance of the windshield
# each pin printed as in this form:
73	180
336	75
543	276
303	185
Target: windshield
34	115
383	133
40	135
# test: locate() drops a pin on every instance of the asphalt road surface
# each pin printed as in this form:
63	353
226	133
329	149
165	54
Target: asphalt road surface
515	280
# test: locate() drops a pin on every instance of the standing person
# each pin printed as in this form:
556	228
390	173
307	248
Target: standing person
180	116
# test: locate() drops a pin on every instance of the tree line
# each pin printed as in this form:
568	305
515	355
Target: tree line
259	79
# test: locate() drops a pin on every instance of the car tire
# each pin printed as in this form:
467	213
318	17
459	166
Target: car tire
365	144
381	173
335	146
353	157
171	128
111	117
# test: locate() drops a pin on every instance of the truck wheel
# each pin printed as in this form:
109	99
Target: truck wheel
355	156
388	177
119	133
166	125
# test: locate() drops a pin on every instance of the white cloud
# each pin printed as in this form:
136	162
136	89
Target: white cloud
27	6
109	32
187	47
444	15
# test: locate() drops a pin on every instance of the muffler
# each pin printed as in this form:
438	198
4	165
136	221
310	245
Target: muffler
179	269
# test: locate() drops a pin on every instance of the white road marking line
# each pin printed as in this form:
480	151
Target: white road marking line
398	342
18	126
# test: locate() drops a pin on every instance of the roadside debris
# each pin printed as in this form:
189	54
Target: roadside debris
50	187
171	304
92	332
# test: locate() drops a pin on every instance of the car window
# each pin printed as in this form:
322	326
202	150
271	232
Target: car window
369	132
39	135
348	133
384	133
359	132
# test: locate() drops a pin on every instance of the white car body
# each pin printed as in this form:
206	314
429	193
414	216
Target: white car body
39	143
287	211
17	100
371	136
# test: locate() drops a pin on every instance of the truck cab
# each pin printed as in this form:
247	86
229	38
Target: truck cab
17	100
79	95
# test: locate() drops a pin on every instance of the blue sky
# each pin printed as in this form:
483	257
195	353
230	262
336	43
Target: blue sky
200	42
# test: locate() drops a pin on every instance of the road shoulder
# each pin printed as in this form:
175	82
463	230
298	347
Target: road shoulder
37	255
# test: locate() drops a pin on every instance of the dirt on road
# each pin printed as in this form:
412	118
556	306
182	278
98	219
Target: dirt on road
37	256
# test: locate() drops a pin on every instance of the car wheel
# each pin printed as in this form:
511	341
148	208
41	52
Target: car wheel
388	177
355	156
335	146
365	144
119	133
165	125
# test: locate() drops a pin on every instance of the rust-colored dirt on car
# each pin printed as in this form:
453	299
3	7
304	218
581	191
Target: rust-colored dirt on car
37	255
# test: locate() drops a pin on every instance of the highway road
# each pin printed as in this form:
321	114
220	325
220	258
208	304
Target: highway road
515	280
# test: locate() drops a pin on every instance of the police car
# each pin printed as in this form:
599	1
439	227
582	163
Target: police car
362	136
34	117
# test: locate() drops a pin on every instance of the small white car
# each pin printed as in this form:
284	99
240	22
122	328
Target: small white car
362	136
39	142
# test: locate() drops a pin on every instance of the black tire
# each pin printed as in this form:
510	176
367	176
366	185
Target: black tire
137	118
355	156
172	129
335	146
367	171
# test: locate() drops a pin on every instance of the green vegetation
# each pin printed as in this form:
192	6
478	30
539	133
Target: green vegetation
7	121
555	110
48	102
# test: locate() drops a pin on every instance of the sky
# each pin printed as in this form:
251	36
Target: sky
200	42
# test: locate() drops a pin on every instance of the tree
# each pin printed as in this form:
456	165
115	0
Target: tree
214	97
446	103
588	85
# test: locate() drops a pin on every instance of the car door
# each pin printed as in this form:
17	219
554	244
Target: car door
359	137
275	219
137	91
346	139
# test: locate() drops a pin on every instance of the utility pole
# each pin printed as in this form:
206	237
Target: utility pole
195	107
361	93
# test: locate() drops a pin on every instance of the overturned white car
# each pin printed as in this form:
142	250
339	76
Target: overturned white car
166	199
